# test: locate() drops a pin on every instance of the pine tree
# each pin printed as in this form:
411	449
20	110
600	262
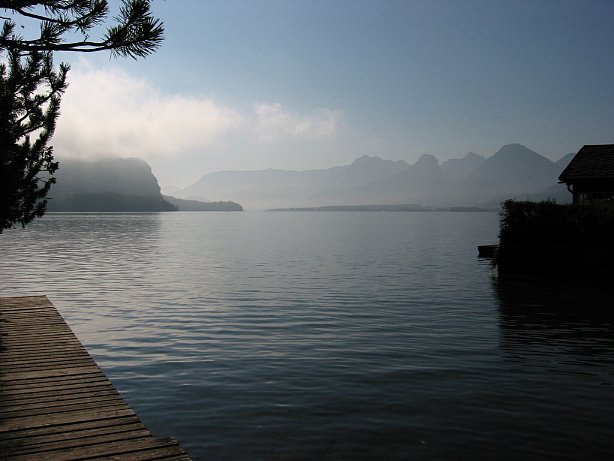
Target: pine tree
30	92
136	33
31	89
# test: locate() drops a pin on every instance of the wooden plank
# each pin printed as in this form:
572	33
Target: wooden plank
65	410
55	395
23	354
31	422
69	429
19	388
9	347
120	450
24	347
36	355
26	361
68	371
86	441
54	398
38	360
28	409
55	402
51	380
40	339
26	441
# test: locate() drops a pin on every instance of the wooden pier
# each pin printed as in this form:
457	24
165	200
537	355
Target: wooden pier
55	402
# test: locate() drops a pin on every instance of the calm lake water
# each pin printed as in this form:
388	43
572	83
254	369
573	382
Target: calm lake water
335	336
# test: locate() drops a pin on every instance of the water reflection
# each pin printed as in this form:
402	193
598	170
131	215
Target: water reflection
557	351
330	336
564	326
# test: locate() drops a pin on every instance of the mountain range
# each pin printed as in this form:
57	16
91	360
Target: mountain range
514	171
117	185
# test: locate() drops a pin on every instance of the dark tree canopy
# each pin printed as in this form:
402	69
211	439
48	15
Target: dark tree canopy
31	89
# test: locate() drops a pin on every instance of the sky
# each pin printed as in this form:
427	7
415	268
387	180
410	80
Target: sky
257	84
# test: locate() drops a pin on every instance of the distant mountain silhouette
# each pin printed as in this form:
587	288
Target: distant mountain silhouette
418	183
513	171
271	188
556	192
117	184
109	202
508	170
131	176
364	169
457	169
423	178
110	184
564	160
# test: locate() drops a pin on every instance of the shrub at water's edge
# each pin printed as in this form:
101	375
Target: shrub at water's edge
550	240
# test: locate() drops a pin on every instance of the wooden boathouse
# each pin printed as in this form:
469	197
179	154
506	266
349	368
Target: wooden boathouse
55	402
590	175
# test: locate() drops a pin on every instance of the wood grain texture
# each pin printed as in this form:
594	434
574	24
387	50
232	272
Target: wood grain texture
55	402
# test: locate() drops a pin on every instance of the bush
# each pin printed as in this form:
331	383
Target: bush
547	239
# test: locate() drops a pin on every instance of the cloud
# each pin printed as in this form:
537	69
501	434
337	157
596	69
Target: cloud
108	112
275	122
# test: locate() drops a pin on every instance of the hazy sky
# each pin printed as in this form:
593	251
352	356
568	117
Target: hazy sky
306	84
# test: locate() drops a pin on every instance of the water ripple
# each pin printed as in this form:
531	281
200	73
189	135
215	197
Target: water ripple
327	335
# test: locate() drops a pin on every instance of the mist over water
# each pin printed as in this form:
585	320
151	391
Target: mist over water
327	335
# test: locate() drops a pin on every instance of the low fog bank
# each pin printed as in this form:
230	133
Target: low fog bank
114	184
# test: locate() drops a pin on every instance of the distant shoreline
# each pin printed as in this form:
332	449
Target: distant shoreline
397	208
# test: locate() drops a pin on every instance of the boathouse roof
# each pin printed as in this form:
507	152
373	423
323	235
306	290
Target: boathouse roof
591	162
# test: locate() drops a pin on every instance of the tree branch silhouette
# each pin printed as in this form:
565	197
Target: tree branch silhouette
135	32
31	89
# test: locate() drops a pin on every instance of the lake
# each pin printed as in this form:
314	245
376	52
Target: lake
327	335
